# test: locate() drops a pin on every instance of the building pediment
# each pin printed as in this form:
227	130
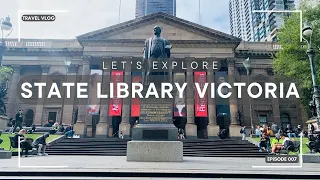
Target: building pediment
174	29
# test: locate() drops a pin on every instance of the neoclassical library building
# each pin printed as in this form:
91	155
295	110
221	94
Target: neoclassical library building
125	41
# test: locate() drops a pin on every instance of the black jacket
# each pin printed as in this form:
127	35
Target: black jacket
16	138
40	140
18	118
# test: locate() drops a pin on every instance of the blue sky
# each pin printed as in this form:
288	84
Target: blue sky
83	16
89	15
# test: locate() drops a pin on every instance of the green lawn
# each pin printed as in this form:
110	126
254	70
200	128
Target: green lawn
305	149
6	142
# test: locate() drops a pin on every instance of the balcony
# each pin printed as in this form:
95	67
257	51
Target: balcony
271	7
42	43
271	2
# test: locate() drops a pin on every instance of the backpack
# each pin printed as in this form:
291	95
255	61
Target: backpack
241	131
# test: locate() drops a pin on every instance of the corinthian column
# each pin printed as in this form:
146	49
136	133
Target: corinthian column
212	129
11	106
191	128
80	127
103	125
125	125
68	102
233	102
39	109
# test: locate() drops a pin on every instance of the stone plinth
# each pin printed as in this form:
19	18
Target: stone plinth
311	158
155	151
155	132
5	154
155	122
3	122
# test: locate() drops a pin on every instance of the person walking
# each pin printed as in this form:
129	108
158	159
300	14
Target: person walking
243	132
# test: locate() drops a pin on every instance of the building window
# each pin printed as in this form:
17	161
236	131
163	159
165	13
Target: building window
263	119
285	120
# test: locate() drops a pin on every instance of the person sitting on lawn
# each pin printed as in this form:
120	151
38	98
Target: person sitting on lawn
264	129
279	144
54	129
270	132
47	124
12	124
24	142
289	131
258	131
33	129
276	143
264	142
41	145
69	132
298	130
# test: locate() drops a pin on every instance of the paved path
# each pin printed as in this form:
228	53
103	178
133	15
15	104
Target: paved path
119	164
123	178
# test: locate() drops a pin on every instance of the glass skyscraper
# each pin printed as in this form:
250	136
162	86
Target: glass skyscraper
146	7
241	19
266	24
257	26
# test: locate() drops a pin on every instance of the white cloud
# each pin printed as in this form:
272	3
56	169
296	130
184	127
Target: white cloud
89	15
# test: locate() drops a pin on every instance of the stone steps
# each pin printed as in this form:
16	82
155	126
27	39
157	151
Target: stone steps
118	147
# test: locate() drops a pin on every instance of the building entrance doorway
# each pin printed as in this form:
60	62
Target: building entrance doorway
29	118
223	121
202	123
95	121
52	117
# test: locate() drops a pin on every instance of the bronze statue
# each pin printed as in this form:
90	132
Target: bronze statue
155	48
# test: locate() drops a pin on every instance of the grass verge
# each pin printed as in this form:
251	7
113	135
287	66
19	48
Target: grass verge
6	142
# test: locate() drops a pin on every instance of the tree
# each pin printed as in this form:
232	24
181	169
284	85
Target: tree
5	73
292	61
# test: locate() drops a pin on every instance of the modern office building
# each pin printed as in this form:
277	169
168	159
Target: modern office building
146	7
265	25
240	19
249	25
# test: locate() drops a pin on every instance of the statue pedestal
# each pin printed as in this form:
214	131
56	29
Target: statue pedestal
155	121
5	154
3	122
155	137
155	151
155	132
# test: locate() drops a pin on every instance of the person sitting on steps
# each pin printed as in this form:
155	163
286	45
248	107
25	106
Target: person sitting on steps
54	129
69	132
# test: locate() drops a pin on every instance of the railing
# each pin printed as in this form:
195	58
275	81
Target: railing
73	43
38	43
265	46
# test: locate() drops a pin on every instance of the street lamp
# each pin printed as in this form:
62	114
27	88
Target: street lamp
307	35
247	64
5	26
67	63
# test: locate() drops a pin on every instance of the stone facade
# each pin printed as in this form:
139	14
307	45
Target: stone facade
126	40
